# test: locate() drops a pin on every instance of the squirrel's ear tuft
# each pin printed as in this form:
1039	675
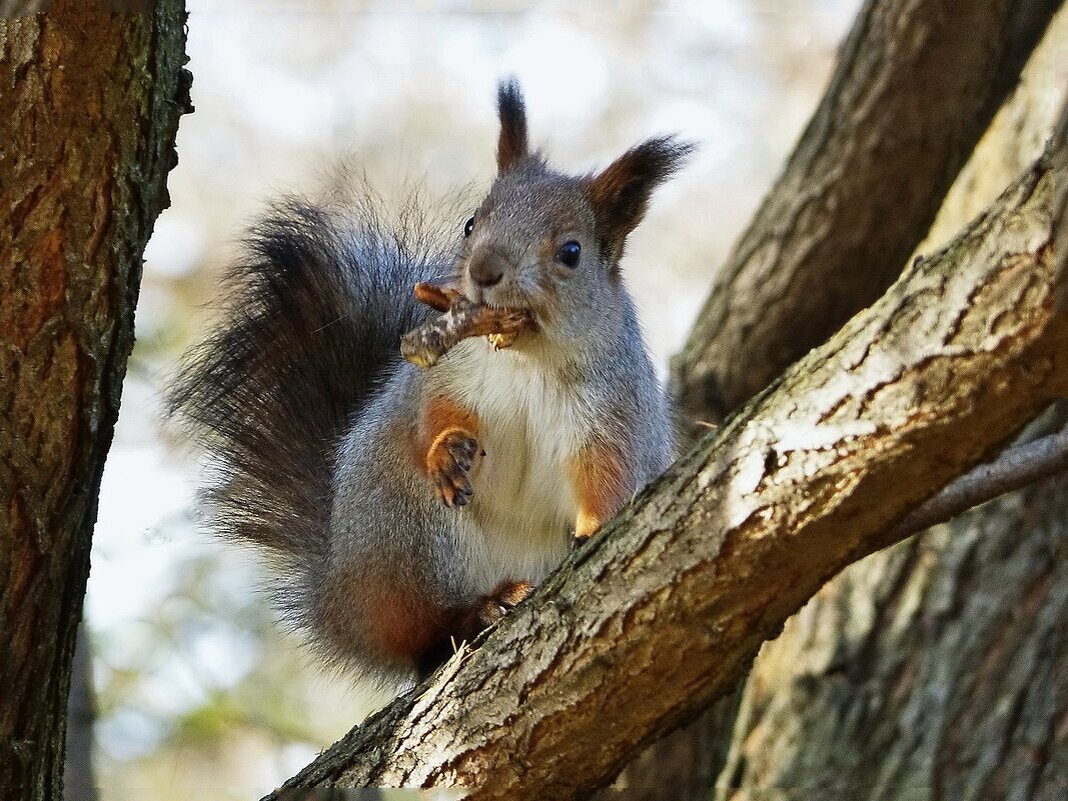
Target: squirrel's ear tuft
619	193
512	144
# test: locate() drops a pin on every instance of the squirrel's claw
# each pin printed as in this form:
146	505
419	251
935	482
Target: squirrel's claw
505	596
577	540
450	462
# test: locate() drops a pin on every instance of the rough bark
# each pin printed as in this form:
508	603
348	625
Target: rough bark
90	102
642	629
935	669
686	763
23	8
916	84
723	349
927	672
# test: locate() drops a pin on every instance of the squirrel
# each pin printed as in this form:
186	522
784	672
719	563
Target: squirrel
404	510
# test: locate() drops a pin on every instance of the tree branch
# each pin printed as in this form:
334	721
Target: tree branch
643	628
851	700
1015	467
725	358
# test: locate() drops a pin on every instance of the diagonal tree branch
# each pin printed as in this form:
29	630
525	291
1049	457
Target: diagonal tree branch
723	362
639	631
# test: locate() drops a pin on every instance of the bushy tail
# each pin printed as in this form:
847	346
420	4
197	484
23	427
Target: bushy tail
313	321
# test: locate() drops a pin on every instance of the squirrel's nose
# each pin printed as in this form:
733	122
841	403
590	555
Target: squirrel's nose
486	271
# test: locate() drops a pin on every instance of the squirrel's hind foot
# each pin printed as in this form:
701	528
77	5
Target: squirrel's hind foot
472	621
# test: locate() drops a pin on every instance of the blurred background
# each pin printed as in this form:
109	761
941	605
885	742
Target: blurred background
198	690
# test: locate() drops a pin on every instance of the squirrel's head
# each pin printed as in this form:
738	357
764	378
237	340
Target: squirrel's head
549	242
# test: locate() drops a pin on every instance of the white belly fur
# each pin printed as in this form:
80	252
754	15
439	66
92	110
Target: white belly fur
531	425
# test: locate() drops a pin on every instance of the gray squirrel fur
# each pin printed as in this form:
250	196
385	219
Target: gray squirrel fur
317	428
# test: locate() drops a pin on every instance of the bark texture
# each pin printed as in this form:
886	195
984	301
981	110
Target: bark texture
657	618
927	672
935	669
722	347
917	83
23	8
91	101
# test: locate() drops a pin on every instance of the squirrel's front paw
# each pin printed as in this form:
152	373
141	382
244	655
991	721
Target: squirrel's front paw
449	462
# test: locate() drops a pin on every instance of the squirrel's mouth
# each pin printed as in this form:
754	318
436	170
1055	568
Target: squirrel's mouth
509	295
497	297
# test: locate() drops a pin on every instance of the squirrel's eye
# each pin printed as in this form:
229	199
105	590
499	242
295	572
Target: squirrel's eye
568	254
469	226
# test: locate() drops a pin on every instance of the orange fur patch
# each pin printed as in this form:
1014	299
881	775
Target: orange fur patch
601	483
442	417
405	625
453	452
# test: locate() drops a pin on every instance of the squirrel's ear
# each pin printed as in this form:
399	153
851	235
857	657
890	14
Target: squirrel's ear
512	144
620	192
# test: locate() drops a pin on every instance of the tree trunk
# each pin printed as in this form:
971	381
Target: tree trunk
935	669
716	370
916	84
23	8
90	102
644	627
